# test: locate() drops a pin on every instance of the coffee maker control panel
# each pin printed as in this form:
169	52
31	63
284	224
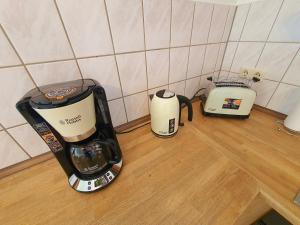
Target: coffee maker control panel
94	184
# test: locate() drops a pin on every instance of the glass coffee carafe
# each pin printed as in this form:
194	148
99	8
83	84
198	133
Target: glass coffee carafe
89	158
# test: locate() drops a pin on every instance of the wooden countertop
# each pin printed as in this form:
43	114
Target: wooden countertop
211	172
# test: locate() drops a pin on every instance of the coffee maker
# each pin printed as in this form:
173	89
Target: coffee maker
73	119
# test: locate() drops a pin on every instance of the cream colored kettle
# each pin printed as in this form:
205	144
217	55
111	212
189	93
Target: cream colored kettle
165	112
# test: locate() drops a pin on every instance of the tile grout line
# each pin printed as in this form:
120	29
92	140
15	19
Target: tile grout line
14	126
228	40
238	42
170	39
280	82
163	85
210	22
220	45
22	148
154	49
145	54
269	34
105	55
115	57
189	52
68	38
18	55
113	99
264	47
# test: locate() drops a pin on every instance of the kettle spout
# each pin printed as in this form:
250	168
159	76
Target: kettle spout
151	96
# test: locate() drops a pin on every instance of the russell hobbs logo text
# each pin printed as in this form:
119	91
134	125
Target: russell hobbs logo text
70	120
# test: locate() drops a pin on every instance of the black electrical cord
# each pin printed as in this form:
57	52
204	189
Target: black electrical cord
197	92
133	129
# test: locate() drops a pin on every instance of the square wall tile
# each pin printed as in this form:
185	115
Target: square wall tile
246	55
260	20
239	21
178	87
292	76
264	90
196	60
10	152
104	70
286	27
223	74
26	136
182	17
126	21
192	86
276	58
14	83
285	98
35	29
117	112
132	71
157	67
233	76
157	16
136	106
229	55
202	19
178	64
48	73
229	22
218	22
87	26
8	56
211	56
154	90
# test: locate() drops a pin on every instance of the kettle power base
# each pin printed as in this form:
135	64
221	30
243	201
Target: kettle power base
164	136
222	115
98	183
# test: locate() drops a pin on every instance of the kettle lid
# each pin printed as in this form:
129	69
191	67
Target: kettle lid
165	94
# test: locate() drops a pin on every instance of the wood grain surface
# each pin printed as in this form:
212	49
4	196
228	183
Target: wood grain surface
211	172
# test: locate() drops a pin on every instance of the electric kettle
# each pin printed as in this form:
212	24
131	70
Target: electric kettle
165	112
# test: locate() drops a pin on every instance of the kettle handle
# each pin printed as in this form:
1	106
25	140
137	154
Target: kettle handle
185	100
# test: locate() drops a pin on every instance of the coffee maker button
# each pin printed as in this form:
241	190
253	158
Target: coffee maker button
89	188
89	183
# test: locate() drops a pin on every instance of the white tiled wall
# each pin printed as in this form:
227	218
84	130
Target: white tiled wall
132	47
266	35
136	47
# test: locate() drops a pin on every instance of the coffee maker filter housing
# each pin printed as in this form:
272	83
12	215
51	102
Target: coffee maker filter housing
73	122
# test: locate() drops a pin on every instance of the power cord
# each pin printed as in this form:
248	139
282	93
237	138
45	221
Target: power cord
197	92
135	128
280	126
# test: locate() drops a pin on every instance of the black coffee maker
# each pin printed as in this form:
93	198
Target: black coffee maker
73	119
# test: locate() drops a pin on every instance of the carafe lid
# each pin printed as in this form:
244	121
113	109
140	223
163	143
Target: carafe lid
60	94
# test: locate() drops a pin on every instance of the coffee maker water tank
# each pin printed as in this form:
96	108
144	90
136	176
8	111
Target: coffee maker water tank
292	122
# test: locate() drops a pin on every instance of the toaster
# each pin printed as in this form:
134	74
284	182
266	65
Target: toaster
228	99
